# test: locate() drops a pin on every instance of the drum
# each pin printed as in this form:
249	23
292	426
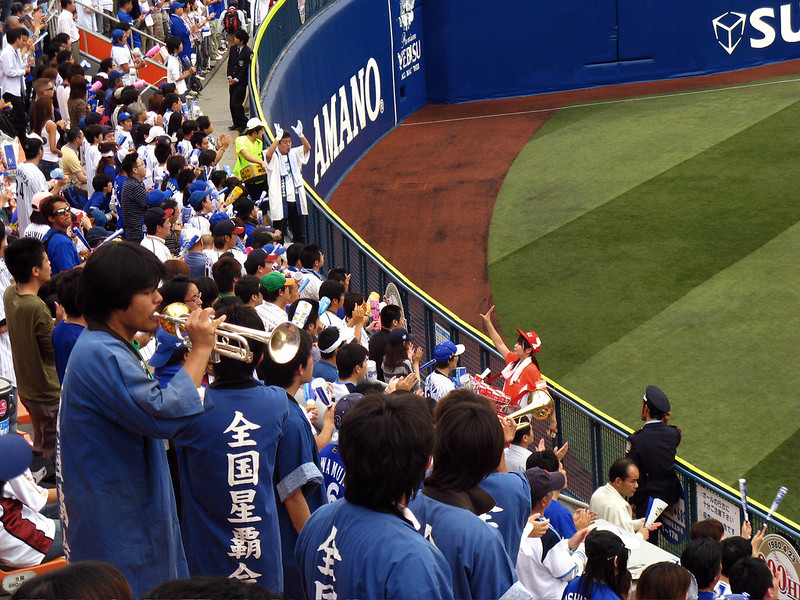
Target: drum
5	405
253	173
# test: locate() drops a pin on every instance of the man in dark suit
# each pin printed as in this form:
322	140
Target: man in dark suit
653	449
238	68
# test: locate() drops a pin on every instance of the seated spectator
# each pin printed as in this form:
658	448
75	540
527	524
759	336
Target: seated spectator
312	261
247	290
226	271
546	564
752	576
86	579
28	536
365	545
703	558
664	581
57	241
211	588
158	226
610	502
305	314
560	517
468	447
605	576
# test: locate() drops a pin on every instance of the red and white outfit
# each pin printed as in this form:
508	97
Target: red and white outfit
521	376
25	534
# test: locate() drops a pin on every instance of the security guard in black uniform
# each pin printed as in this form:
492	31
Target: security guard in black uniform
653	448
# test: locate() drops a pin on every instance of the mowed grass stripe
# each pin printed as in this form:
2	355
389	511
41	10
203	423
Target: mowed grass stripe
586	156
777	469
726	354
595	279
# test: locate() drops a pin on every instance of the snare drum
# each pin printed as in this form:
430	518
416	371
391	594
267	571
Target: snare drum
253	173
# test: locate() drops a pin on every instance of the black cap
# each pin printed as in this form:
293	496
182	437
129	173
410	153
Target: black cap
657	399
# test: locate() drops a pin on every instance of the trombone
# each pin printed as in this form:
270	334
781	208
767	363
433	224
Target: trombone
232	340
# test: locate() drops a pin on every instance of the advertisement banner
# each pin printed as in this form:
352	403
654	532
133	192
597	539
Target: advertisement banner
353	72
782	559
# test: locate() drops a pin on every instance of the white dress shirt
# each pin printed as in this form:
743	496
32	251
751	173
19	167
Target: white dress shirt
12	71
66	24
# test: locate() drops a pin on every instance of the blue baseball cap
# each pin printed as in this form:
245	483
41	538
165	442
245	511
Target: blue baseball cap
123	116
276	249
175	5
196	198
17	455
217	218
114	75
198	185
156	197
115	35
166	344
447	350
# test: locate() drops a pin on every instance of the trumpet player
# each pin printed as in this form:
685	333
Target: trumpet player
114	485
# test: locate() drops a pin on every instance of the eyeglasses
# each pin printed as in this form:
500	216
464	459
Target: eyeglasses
196	297
61	211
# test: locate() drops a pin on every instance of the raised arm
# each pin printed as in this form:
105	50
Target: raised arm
498	342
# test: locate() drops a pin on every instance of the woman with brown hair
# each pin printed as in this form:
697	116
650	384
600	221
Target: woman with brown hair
77	105
45	127
401	358
664	581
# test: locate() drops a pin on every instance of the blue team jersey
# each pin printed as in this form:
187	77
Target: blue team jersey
64	337
296	468
326	370
333	471
512	497
474	550
560	519
348	551
598	592
227	461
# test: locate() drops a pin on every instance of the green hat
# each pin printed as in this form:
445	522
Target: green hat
275	281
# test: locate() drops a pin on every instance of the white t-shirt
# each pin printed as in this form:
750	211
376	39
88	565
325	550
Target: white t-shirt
157	246
437	386
30	181
175	70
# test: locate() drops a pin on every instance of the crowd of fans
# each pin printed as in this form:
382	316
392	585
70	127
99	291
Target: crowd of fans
302	476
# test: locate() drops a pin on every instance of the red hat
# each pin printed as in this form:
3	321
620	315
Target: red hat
533	340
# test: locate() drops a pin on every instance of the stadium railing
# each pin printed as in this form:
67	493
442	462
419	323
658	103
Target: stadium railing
595	439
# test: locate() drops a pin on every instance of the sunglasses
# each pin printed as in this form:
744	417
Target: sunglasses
61	211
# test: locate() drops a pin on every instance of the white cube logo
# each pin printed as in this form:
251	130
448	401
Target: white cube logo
729	29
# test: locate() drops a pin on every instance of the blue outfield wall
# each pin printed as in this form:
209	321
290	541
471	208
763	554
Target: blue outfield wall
477	50
355	70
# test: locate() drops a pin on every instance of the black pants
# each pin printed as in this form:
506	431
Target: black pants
296	222
18	115
238	93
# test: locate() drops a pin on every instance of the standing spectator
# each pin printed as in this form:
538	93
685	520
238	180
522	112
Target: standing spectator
287	196
31	181
365	546
66	24
156	220
179	29
247	421
665	581
239	58
401	357
468	446
6	360
44	125
60	248
107	8
438	384
67	330
114	475
298	479
517	453
175	71
77	107
124	15
30	328
653	449
134	197
13	69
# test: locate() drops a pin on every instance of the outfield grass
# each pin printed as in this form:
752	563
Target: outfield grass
655	241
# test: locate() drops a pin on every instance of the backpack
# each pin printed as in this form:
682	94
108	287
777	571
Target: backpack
231	22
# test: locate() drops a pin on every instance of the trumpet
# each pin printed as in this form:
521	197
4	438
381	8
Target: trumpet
232	340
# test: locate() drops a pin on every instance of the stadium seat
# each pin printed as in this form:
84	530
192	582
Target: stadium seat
11	580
